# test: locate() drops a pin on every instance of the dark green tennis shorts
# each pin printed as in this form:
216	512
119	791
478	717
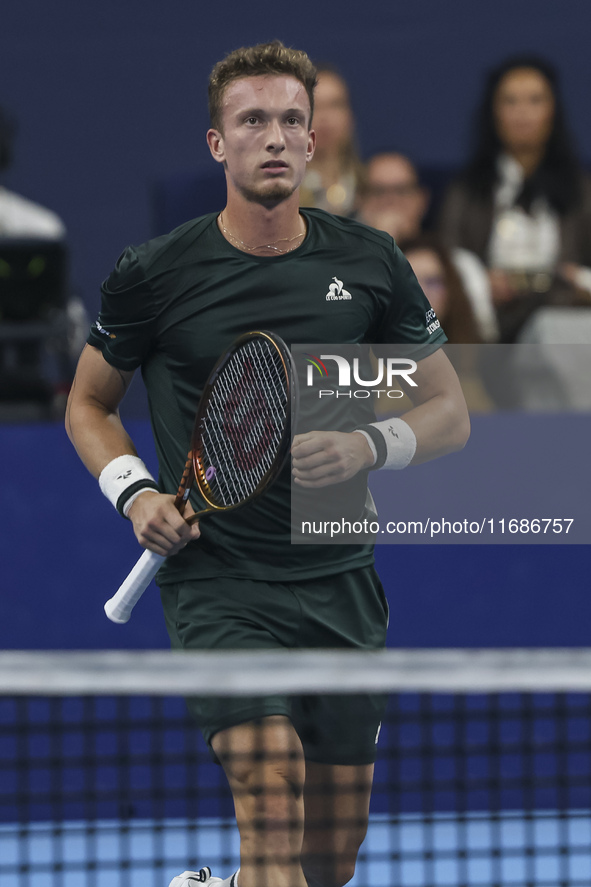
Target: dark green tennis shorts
345	611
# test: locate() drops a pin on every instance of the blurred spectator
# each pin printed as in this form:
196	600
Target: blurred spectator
442	284
20	217
33	278
332	178
523	204
443	287
393	200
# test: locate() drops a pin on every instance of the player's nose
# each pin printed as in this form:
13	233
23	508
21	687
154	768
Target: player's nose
275	136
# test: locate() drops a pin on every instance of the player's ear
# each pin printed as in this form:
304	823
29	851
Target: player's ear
215	140
311	145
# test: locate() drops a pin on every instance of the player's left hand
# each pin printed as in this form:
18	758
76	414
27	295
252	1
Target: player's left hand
321	458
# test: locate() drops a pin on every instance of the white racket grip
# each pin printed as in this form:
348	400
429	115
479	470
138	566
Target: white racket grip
119	607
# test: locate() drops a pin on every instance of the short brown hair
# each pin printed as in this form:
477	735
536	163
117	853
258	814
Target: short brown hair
255	61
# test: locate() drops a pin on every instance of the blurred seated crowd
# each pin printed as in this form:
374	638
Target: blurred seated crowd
502	250
511	234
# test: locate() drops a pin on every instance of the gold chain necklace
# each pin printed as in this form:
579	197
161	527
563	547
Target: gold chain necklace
251	249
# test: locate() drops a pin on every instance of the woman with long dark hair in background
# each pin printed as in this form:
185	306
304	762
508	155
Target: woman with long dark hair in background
333	176
523	203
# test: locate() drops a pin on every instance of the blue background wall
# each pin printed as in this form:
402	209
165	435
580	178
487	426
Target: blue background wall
64	551
110	97
111	94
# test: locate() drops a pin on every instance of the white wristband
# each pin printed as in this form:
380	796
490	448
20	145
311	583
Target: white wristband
123	479
393	442
128	502
370	443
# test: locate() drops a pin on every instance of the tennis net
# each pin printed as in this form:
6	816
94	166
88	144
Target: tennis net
483	774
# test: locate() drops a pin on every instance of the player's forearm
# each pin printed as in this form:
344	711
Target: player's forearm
439	418
97	434
92	418
441	425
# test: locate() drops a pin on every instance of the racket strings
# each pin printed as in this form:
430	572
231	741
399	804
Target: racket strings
246	427
245	422
246	419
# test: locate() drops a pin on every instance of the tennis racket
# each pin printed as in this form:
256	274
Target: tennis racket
241	438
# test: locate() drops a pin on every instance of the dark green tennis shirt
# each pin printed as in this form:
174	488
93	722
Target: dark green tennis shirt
174	304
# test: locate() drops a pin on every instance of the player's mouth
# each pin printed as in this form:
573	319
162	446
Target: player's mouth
275	166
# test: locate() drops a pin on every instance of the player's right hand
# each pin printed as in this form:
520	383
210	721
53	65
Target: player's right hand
321	458
159	526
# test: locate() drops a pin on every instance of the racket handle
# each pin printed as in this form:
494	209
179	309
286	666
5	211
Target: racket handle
119	607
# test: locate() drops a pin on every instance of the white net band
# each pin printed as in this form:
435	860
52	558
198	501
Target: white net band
293	672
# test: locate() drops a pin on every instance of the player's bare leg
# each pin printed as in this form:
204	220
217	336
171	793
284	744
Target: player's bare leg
336	800
265	767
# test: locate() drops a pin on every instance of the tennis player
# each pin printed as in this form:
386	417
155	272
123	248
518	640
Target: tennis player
300	770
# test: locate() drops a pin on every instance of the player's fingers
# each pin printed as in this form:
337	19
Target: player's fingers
315	470
308	444
168	523
325	474
155	542
315	460
159	526
331	471
332	458
320	448
160	537
324	481
162	543
191	522
163	550
336	469
176	531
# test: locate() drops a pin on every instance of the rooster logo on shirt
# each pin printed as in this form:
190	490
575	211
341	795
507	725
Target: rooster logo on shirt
336	291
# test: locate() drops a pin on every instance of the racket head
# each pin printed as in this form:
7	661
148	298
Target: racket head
245	421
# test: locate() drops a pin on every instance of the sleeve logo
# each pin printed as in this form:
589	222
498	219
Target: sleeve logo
431	321
100	329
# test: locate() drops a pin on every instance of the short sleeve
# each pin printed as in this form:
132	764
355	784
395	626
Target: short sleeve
124	329
408	318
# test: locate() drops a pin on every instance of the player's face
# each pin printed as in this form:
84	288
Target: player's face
265	142
524	109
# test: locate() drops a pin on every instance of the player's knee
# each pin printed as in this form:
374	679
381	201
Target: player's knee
343	874
257	775
283	777
329	861
330	873
268	764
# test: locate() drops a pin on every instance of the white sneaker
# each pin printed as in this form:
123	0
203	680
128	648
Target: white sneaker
202	878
